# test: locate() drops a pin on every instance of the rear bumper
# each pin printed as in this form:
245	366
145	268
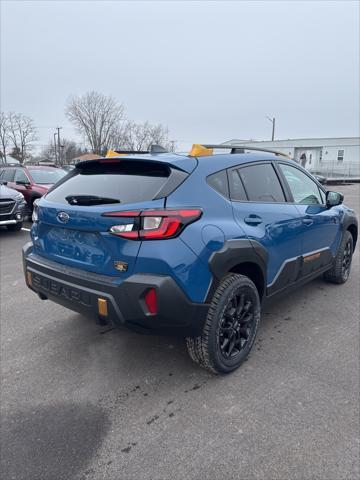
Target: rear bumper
80	291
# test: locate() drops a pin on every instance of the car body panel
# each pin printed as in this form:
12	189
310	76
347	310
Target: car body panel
84	240
290	245
279	231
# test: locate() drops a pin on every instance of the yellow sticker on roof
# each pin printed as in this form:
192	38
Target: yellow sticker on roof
198	150
111	153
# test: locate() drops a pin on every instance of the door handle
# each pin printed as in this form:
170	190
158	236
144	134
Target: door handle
253	220
308	221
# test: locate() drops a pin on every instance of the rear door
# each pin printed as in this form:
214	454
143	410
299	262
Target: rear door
72	228
25	187
321	233
261	209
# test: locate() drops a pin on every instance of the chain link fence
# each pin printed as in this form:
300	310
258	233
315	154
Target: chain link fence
336	170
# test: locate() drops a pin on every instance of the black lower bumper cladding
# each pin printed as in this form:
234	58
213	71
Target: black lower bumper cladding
125	305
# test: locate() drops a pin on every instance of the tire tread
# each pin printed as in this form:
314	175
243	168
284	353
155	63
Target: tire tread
334	275
198	347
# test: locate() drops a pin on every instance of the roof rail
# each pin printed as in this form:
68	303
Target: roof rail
154	149
242	148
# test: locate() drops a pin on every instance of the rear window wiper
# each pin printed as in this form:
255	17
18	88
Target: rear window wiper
89	200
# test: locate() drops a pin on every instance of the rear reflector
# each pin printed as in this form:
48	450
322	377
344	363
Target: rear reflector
102	307
29	278
151	301
154	224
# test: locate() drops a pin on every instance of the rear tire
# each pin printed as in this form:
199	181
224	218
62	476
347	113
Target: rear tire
340	270
230	327
15	227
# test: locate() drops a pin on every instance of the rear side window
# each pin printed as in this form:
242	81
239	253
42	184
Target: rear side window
126	182
261	183
219	182
8	175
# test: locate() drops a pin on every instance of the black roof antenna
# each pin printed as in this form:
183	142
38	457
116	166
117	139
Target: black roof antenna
157	149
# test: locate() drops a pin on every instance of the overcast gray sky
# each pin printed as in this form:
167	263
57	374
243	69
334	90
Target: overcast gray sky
211	71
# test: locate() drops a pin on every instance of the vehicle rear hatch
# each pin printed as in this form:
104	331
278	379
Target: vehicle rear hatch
71	227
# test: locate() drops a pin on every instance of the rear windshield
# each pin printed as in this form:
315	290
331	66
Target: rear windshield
48	177
127	182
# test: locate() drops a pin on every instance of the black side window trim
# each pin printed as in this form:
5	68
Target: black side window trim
286	192
291	198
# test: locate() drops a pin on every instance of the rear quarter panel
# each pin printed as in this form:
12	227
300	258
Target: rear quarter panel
207	235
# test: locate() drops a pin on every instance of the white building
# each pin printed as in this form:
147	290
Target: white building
332	157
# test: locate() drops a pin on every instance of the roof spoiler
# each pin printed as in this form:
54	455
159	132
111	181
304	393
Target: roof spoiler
154	149
202	150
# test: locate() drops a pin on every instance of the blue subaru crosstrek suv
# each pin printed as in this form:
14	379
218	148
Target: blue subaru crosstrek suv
188	245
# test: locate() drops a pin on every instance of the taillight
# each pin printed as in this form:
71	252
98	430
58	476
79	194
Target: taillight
154	224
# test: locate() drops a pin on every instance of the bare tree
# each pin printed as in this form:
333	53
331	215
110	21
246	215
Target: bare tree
96	116
140	136
70	150
48	152
4	134
21	134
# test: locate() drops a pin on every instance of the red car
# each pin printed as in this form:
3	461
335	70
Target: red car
31	181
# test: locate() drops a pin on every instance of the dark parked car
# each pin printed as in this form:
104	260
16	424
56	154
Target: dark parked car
190	245
31	181
12	208
321	179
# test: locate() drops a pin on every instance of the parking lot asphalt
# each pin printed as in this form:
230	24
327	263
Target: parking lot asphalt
83	402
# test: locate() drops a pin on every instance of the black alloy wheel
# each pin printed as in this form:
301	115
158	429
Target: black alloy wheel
236	325
346	262
340	270
230	327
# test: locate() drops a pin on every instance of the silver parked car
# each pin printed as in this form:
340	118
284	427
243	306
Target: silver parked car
12	208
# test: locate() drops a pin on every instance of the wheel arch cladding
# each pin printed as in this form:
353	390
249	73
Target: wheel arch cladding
254	272
242	256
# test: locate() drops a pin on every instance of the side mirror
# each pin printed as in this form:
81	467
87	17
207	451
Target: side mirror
22	182
333	199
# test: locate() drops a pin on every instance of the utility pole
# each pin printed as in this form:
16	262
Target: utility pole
59	147
55	149
272	120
